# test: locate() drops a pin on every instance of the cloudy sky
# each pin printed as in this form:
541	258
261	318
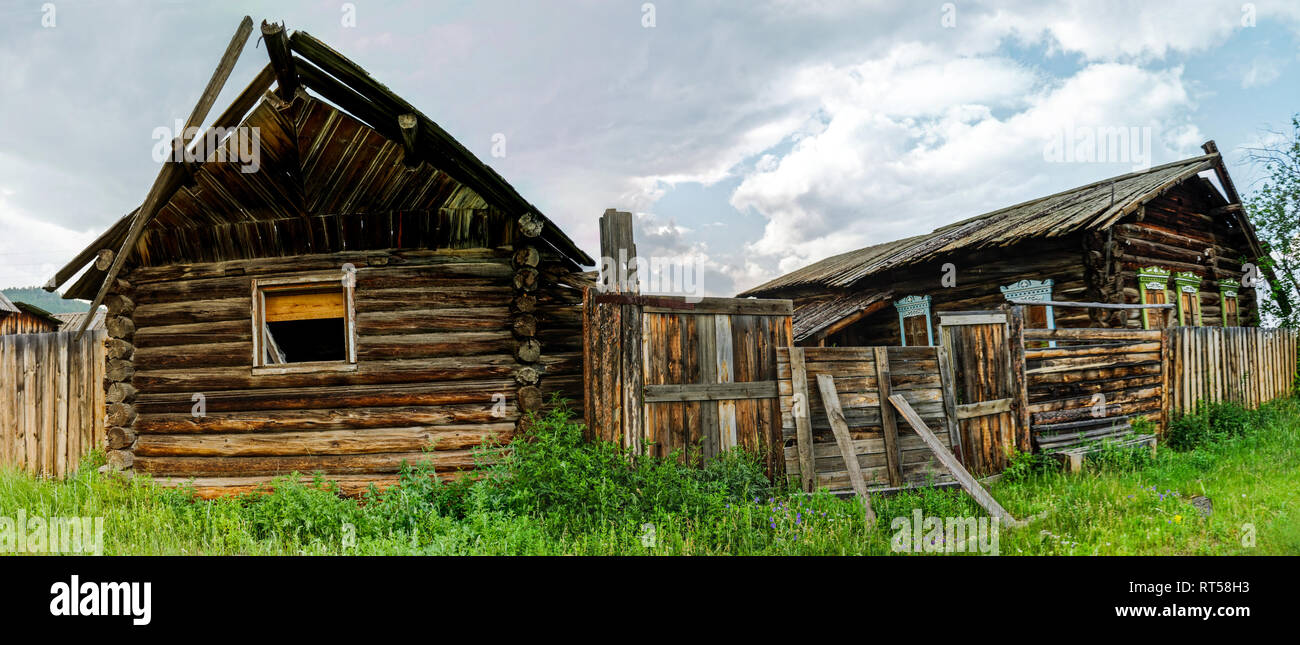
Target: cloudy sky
753	136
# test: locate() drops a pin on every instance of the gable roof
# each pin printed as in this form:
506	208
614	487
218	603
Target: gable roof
347	174
1097	205
7	305
73	321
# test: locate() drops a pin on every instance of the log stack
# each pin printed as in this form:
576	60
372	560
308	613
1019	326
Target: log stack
523	318
120	393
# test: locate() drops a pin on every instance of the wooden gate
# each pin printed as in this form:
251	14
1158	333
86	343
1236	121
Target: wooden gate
663	373
988	381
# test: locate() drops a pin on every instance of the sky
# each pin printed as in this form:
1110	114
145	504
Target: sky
750	138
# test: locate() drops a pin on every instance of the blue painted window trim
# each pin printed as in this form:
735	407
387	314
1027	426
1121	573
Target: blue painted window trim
1039	290
910	307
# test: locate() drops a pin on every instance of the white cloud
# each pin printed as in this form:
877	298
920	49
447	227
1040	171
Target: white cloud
31	249
871	175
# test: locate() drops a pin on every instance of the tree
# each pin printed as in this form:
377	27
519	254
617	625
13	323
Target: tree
1274	209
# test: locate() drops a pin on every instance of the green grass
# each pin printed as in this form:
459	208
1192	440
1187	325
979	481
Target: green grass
555	494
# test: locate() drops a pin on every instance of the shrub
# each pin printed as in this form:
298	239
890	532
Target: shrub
1211	423
552	471
1024	465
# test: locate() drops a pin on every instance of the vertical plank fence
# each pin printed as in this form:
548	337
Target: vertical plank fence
51	400
664	373
1245	365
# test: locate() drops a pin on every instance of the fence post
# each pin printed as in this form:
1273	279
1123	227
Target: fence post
1019	385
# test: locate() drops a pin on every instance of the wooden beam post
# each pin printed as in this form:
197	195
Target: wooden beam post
840	427
958	471
1019	381
799	409
893	459
171	176
277	48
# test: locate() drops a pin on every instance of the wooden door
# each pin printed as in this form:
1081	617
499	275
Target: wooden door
977	345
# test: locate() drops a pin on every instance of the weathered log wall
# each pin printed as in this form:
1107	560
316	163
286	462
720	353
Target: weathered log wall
979	276
1093	383
446	352
1176	232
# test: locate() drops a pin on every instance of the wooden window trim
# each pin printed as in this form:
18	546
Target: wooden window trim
912	307
1152	279
346	279
1229	290
1189	283
1039	290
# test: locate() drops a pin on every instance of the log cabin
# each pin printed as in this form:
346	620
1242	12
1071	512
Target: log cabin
371	295
22	318
1162	235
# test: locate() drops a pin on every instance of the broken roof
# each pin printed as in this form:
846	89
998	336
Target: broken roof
1093	206
367	155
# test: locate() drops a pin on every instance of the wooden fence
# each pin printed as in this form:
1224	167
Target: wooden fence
663	373
51	400
1245	365
889	455
983	350
1085	385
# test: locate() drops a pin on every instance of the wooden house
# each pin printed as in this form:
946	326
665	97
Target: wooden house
372	294
1163	235
22	318
75	321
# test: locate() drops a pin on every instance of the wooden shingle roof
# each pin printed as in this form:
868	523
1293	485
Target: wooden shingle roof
1097	205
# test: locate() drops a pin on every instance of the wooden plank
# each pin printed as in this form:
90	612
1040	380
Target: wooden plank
726	374
61	373
803	425
953	320
633	358
949	401
706	332
831	401
887	420
1094	333
984	408
710	391
959	472
732	306
8	400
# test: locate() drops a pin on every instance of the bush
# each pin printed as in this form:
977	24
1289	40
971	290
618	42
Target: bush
1210	424
551	471
1025	465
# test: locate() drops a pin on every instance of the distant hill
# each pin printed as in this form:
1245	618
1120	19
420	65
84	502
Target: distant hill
51	302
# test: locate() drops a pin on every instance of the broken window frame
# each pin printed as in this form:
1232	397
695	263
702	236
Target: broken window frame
346	280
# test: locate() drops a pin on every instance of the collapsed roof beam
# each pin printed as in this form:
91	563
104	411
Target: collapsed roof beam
277	48
171	175
461	164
